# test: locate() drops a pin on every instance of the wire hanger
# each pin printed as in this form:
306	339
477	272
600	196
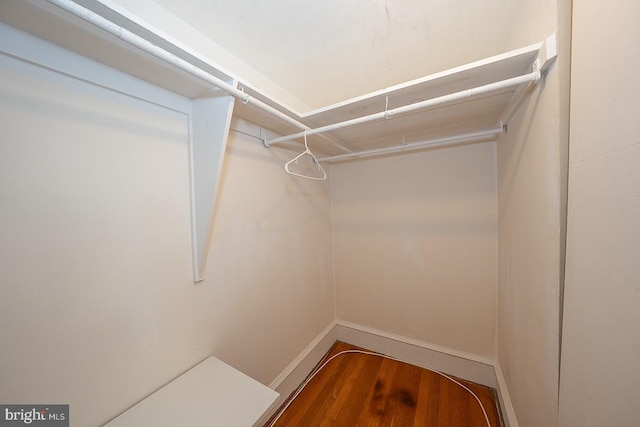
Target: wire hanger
295	159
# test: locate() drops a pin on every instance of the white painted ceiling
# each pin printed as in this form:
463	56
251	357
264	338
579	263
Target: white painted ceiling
327	51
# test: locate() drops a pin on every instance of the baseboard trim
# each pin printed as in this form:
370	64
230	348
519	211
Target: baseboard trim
420	353
312	354
508	413
298	370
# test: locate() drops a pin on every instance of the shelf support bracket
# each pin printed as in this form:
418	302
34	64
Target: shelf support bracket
548	53
209	131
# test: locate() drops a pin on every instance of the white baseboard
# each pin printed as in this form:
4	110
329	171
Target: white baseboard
468	366
309	357
426	355
298	370
508	413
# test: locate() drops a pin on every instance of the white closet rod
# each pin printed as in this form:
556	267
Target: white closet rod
456	139
156	51
456	96
145	45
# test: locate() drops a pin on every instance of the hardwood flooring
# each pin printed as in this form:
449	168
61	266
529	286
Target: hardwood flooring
355	390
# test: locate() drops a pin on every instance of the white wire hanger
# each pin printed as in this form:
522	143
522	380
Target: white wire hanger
295	160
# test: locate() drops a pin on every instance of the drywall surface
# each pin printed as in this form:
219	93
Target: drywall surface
415	245
320	51
529	260
94	245
531	178
269	277
534	21
97	304
339	42
600	375
150	14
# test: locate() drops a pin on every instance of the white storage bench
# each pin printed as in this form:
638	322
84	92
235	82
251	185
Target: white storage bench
212	394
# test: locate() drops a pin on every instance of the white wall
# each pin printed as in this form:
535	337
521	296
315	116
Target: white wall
531	178
415	245
529	262
268	278
600	376
339	42
281	43
150	14
97	303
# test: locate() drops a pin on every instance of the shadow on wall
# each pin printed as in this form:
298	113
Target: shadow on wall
524	138
302	201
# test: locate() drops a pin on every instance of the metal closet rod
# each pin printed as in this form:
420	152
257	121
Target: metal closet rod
533	76
145	45
447	140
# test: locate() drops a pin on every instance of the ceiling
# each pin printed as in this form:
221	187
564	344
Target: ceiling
320	62
328	51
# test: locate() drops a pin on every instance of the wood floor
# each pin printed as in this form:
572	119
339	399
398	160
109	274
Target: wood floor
356	389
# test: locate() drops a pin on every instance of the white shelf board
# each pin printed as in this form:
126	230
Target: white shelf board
210	394
48	22
472	114
478	73
467	115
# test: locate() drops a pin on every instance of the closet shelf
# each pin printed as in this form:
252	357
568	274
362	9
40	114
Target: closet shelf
472	102
475	100
481	112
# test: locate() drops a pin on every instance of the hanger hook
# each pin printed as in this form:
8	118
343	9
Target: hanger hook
246	98
307	151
